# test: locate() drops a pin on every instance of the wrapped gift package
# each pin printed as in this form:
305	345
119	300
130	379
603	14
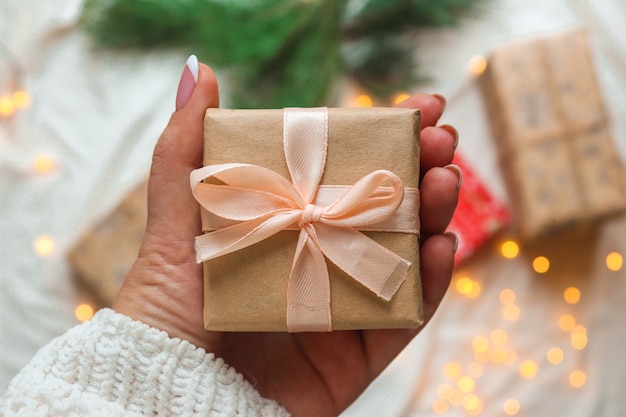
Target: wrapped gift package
247	289
105	253
479	215
552	130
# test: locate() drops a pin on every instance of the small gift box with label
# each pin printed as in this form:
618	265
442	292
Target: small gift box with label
310	219
551	127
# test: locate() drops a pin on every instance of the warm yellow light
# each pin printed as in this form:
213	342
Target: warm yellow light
444	391
475	369
509	249
83	312
528	369
7	108
480	344
571	295
511	406
43	164
44	245
452	370
464	285
614	261
465	384
567	322
363	101
578	340
577	378
471	402
511	312
477	65
21	99
399	98
507	296
541	264
440	406
555	356
482	356
499	337
468	287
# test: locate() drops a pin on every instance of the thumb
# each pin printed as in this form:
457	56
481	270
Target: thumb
178	152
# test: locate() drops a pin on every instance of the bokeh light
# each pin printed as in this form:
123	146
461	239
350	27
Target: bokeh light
511	406
471	402
567	322
444	391
7	107
499	337
541	264
363	101
507	296
21	99
577	378
468	287
83	312
452	370
466	384
578	337
614	261
44	245
43	163
440	406
475	369
509	249
555	355
511	312
528	369
399	98
480	344
477	65
571	295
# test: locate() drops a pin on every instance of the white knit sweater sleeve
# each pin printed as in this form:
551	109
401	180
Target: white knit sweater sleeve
114	366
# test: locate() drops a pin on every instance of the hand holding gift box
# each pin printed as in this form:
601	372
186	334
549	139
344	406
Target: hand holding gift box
316	374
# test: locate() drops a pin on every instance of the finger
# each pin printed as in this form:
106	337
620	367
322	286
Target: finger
437	261
439	195
431	107
437	145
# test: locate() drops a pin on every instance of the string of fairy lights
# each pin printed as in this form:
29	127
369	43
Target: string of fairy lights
458	388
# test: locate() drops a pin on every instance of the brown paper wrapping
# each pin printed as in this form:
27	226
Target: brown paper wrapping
105	253
246	290
551	128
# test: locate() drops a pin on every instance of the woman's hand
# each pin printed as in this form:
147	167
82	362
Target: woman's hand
311	374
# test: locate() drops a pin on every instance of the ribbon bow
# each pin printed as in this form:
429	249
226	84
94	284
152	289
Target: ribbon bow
252	203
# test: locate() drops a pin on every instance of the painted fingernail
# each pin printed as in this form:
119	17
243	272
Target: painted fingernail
453	132
459	174
455	239
188	82
442	100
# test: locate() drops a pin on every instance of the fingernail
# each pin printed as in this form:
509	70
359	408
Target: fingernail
442	100
459	174
453	132
452	236
187	82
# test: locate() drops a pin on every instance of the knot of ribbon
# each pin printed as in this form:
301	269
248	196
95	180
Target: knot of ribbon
249	203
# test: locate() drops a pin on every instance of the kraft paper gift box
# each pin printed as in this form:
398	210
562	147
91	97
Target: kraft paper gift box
551	128
246	290
104	254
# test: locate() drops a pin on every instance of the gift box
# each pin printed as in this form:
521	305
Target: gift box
479	215
104	254
252	288
551	127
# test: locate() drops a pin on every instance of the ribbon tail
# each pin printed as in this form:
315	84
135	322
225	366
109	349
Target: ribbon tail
371	264
308	305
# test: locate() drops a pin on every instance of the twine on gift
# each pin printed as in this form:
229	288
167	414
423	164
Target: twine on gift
251	203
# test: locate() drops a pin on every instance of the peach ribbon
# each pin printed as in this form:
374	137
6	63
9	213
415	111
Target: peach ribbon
253	203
